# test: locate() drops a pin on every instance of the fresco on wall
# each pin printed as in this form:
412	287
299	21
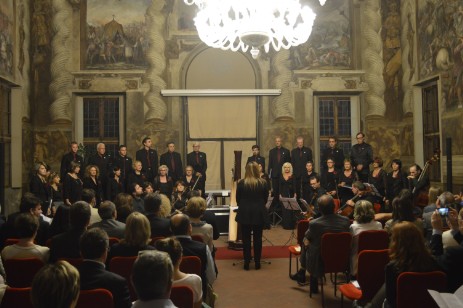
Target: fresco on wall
440	43
329	45
6	37
116	35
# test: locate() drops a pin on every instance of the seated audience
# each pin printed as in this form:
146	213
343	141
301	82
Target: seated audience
444	200
56	285
26	227
208	216
450	259
29	204
123	203
136	238
88	195
402	210
137	201
433	195
195	209
160	226
364	216
181	227
108	214
94	246
66	245
152	279
166	206
174	249
60	222
310	252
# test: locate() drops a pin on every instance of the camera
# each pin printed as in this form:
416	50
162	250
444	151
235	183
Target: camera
444	211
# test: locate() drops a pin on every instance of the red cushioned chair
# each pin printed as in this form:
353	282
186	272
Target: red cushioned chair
76	262
370	276
295	250
197	237
96	298
20	272
412	288
113	240
11	241
191	265
17	298
182	296
373	240
123	266
335	253
154	239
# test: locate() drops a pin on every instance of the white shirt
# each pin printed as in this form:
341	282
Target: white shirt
194	282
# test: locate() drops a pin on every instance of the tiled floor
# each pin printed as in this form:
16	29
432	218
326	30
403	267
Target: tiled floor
268	287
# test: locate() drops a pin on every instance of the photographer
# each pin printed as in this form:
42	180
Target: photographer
445	200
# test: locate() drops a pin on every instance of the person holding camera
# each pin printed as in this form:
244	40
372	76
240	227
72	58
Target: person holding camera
443	202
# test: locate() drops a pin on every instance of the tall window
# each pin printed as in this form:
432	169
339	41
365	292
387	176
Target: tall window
431	130
101	123
5	140
335	120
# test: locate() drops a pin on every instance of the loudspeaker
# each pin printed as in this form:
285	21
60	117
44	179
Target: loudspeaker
448	150
222	214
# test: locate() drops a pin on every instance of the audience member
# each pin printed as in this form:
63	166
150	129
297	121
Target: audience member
195	209
433	195
123	203
94	246
166	206
66	245
26	227
310	252
152	275
173	247
60	222
29	204
445	200
160	226
56	285
181	227
88	195
402	210
137	201
364	216
450	258
137	237
108	223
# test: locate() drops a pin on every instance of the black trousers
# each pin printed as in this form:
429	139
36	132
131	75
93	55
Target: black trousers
256	231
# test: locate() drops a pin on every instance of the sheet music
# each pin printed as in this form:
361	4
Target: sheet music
290	204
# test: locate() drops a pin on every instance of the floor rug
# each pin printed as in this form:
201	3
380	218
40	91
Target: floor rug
268	252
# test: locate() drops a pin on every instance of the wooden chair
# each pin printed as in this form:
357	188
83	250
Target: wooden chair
412	288
16	298
370	276
335	253
20	272
373	240
191	265
182	296
123	267
295	250
96	298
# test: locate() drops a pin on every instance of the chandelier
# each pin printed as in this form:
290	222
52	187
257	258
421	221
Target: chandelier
244	24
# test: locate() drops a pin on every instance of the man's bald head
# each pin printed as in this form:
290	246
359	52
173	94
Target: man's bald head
180	224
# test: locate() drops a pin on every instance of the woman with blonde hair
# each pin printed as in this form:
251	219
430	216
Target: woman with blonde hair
251	197
195	209
163	183
364	219
433	194
137	237
166	207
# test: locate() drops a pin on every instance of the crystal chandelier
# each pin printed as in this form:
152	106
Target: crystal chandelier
244	24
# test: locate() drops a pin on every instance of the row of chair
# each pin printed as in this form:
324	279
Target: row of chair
181	296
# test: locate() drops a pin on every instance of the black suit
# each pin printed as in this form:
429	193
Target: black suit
94	276
149	162
66	164
66	245
362	154
449	260
160	226
103	162
336	154
258	159
198	160
173	161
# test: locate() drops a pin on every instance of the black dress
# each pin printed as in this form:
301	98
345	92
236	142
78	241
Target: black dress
163	188
114	187
344	192
329	180
287	190
395	184
72	189
97	187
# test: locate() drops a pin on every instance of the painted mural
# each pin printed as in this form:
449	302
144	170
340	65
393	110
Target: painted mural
440	30
329	45
6	37
116	36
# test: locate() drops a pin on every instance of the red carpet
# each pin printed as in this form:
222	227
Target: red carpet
268	252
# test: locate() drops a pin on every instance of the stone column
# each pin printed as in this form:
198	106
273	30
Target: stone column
282	106
407	12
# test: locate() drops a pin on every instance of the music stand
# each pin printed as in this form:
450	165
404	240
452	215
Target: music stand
291	205
273	212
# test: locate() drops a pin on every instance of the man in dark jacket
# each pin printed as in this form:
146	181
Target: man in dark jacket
94	246
173	161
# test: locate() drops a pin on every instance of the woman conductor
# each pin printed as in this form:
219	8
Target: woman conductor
251	197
